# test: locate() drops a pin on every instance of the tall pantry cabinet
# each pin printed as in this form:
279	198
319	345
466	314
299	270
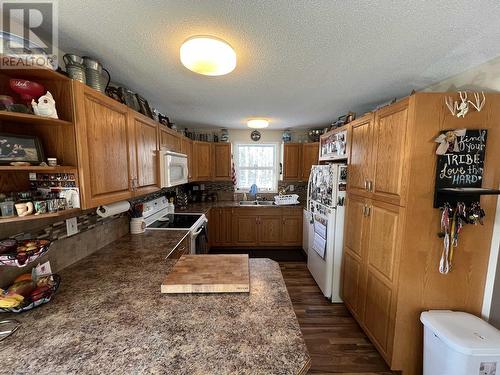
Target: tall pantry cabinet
391	248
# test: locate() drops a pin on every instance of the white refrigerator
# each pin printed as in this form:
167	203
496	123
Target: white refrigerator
326	192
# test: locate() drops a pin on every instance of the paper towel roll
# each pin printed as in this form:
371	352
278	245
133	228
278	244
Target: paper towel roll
113	209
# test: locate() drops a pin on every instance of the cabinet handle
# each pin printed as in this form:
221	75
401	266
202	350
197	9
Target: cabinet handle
370	185
366	185
368	210
364	210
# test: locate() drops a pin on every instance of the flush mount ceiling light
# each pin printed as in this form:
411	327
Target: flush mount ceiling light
208	56
258	123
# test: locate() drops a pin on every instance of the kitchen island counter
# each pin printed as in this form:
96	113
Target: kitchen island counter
110	317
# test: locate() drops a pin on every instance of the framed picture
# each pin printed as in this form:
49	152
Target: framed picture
25	148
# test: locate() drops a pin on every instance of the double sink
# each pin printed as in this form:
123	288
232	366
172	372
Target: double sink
256	203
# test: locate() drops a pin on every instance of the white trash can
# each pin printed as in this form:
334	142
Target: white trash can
458	343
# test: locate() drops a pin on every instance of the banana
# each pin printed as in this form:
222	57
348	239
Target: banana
11	300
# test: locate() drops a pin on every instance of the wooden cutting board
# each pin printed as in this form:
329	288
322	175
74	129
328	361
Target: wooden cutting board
209	274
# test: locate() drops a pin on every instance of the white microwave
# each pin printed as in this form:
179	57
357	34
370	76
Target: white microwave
173	168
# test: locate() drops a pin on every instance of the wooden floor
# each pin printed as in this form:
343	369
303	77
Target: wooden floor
336	343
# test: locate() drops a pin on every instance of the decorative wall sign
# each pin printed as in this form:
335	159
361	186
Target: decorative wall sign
460	167
255	135
460	109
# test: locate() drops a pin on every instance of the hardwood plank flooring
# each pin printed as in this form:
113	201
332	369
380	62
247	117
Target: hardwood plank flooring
335	341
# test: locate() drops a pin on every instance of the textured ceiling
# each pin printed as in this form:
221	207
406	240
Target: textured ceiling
300	63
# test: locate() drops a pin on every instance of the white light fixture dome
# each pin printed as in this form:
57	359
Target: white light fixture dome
208	55
258	123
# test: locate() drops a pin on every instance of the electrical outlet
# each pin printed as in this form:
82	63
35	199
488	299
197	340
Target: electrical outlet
71	226
292	187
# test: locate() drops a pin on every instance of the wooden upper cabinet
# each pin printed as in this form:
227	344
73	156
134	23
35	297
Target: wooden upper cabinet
143	150
390	149
187	148
360	165
310	157
222	161
102	133
202	160
292	162
170	140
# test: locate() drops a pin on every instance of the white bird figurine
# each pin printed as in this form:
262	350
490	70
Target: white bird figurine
46	106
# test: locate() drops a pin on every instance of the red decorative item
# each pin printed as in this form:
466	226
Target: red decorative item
27	90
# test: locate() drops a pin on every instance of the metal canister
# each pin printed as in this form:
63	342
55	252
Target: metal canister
75	67
94	76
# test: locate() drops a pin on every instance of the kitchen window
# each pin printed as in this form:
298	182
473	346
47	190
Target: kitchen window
256	164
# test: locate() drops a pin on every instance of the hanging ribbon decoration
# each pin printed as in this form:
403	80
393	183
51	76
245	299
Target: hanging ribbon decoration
448	141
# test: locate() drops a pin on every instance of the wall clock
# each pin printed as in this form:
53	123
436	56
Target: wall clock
255	135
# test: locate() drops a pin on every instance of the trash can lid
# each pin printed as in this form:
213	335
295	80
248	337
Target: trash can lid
463	332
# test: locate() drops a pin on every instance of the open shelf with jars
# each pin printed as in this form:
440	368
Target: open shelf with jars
30	138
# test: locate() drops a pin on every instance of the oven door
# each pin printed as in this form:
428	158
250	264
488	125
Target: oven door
199	239
173	169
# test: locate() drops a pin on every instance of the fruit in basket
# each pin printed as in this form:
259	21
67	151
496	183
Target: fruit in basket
44	281
23	277
23	288
40	292
10	300
21	249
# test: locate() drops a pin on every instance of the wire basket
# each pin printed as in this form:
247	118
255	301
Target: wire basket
16	258
286	199
35	300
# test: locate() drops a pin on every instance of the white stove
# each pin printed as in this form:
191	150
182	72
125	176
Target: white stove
156	217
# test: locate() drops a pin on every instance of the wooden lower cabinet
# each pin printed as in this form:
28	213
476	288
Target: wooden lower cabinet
255	227
292	228
270	230
372	247
220	227
245	230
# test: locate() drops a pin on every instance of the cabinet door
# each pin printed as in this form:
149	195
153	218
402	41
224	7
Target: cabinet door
354	260
105	167
310	155
222	234
202	161
222	161
213	226
360	171
270	228
187	148
292	230
383	244
169	140
390	149
245	230
144	146
292	166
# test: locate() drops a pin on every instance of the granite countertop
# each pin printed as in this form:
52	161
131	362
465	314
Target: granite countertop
110	317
